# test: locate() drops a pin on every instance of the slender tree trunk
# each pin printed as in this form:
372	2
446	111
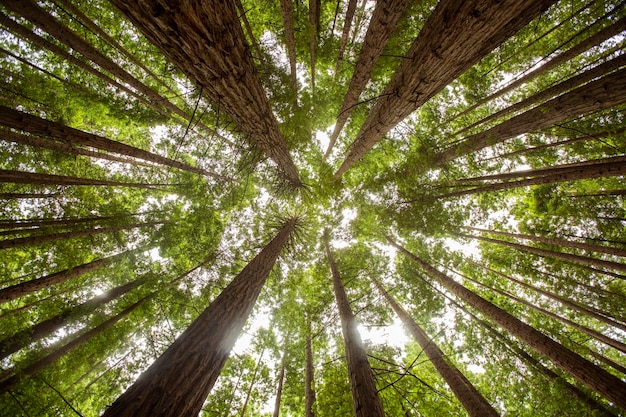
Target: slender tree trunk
579	259
246	24
594	40
38	223
38	240
290	40
19	196
594	377
25	337
309	376
554	91
314	18
606	92
249	392
347	24
455	37
178	382
281	378
473	401
364	394
382	24
206	42
28	287
38	126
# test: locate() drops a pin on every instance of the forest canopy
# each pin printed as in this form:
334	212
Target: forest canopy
312	208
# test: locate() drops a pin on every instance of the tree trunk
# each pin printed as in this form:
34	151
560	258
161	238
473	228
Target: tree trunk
382	24
455	37
347	24
25	337
314	18
309	376
606	92
38	240
19	196
364	394
246	24
206	42
594	40
281	379
594	377
178	382
249	393
41	127
290	41
28	287
579	259
473	401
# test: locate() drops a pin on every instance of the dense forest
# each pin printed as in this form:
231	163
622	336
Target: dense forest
313	208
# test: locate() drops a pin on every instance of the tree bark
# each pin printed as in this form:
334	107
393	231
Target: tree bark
281	379
290	41
314	18
37	126
364	394
455	37
382	24
246	24
606	92
249	392
473	401
594	377
347	24
204	39
178	382
309	376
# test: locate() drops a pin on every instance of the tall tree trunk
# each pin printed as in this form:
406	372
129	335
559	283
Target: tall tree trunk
19	196
606	92
38	240
45	328
246	24
290	41
364	394
281	378
579	259
37	126
28	287
594	40
178	382
473	401
314	18
206	42
594	377
249	392
382	24
309	376
347	24
455	37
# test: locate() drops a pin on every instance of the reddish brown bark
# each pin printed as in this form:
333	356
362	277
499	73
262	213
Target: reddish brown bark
309	376
204	39
314	27
382	24
594	377
246	24
178	382
281	379
347	24
473	401
290	40
454	38
608	91
364	394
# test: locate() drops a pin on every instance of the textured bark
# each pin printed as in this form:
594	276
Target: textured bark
28	287
33	178
455	37
589	247
12	378
609	167
204	39
309	376
554	91
588	310
594	377
579	259
347	24
364	394
178	382
290	40
608	91
314	18
281	380
30	223
246	24
473	401
38	240
382	24
45	328
594	40
37	126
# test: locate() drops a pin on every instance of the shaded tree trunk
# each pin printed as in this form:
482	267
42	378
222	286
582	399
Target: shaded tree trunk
314	18
246	24
19	196
455	37
178	382
606	92
37	126
290	40
249	392
473	401
281	378
206	42
347	24
364	394
382	24
309	376
594	377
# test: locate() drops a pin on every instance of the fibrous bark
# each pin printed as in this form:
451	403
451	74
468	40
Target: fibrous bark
347	24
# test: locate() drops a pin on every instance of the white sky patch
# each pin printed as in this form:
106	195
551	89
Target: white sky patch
393	335
154	255
323	138
469	249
